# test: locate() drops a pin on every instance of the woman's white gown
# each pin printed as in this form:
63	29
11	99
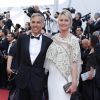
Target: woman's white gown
55	84
59	56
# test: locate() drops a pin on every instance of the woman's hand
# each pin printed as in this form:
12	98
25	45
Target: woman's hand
72	89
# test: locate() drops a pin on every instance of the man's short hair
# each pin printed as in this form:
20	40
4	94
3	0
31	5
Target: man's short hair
12	34
96	33
97	14
80	28
38	14
5	31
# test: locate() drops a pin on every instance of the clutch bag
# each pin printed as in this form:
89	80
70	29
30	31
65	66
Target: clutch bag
13	75
66	86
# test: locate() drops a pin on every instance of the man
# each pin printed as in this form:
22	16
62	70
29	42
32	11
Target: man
31	51
3	52
76	22
95	26
11	39
79	33
8	22
97	33
54	27
97	55
11	64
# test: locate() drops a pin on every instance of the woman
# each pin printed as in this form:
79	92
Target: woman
62	60
89	88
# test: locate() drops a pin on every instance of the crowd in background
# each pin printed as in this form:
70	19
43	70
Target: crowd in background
89	39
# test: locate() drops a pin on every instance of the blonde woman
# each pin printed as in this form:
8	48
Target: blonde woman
62	60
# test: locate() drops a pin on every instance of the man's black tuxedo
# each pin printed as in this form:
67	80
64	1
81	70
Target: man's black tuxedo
97	54
29	72
95	26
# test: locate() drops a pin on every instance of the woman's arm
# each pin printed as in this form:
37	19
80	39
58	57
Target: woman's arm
74	73
75	66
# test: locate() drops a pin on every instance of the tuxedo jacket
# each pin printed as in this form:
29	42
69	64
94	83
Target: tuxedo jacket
95	26
97	54
4	44
3	49
28	72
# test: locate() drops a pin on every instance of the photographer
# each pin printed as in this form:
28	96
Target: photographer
47	16
55	27
17	30
88	30
76	22
35	9
8	21
2	24
95	26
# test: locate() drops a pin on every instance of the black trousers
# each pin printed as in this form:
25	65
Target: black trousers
3	75
28	93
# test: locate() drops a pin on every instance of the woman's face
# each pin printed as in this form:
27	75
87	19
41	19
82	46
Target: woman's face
64	23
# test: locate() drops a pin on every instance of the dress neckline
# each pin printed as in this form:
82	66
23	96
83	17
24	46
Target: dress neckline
66	39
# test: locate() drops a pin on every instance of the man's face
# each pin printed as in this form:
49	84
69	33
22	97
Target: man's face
55	15
9	37
78	31
1	34
36	24
1	24
77	17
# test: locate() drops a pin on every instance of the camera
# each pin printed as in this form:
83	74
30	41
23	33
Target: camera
2	17
71	9
86	17
6	12
47	13
29	11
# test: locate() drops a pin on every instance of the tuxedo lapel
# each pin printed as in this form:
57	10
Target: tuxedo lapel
27	43
43	44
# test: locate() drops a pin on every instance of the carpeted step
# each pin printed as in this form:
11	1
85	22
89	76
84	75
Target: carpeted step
4	94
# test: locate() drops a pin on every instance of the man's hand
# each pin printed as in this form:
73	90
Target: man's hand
9	71
91	74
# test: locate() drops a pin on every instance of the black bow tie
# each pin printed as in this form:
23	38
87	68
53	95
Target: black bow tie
32	37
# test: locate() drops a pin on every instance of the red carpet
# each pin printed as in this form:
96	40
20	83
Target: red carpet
4	94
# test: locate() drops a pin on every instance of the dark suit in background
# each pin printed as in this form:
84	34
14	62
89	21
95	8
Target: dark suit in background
95	26
3	51
97	54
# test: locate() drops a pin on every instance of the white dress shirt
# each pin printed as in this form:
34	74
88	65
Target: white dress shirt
10	44
34	48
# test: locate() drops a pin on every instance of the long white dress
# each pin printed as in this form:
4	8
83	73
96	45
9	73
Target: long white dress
55	84
57	62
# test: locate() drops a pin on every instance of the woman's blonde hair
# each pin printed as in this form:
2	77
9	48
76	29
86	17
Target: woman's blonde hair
67	14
